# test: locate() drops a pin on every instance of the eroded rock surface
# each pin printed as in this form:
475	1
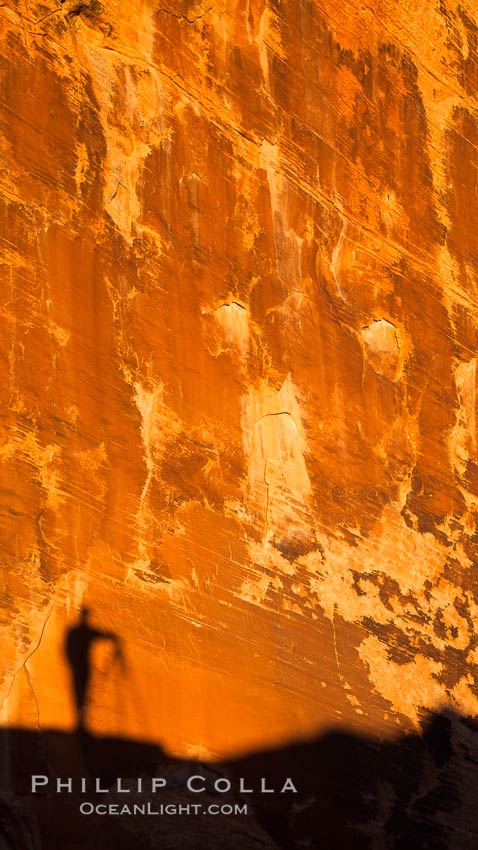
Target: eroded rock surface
238	353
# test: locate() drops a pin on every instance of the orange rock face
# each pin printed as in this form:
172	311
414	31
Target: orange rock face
239	346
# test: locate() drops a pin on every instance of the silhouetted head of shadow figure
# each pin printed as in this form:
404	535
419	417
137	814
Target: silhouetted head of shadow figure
78	645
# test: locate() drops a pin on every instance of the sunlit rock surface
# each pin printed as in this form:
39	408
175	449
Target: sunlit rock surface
238	365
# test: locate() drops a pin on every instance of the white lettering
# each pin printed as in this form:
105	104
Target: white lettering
189	784
39	780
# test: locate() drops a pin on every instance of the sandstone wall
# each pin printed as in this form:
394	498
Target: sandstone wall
238	364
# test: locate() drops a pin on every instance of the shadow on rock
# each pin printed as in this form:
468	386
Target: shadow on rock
353	793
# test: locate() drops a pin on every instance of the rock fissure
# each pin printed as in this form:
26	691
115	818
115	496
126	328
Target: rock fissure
48	15
113	196
278	413
184	17
27	659
228	304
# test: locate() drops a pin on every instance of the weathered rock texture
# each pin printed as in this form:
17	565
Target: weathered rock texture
238	349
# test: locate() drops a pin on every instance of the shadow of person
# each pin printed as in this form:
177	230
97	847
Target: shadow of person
78	646
415	791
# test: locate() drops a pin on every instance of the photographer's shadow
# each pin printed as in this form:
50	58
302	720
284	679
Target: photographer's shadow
79	643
